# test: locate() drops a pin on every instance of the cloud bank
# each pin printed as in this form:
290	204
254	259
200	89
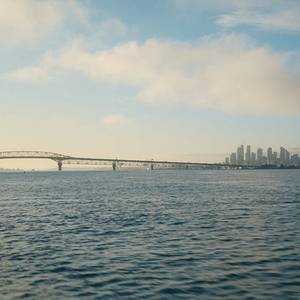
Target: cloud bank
267	15
284	20
28	20
228	74
235	4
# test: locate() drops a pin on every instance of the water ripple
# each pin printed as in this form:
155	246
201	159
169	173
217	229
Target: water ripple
150	235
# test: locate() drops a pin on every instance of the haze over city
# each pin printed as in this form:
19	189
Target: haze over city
174	79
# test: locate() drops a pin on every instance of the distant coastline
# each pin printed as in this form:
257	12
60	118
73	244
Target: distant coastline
11	170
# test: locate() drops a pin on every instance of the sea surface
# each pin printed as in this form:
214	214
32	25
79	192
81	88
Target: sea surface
166	234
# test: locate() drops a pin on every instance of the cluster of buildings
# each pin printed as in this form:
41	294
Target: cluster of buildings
246	157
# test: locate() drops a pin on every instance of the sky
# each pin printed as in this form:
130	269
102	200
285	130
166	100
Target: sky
162	79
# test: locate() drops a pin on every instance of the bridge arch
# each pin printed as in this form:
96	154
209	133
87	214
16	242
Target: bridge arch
61	159
58	158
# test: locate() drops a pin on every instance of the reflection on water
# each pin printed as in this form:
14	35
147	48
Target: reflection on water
157	235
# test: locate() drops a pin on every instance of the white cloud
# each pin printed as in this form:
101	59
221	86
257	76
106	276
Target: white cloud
115	119
283	20
29	74
280	15
28	20
228	74
226	4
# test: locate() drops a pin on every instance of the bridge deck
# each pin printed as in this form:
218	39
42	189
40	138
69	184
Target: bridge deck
59	158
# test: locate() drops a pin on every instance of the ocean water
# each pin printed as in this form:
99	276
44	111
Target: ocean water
185	234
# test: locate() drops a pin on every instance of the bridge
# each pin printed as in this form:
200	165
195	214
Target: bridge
61	159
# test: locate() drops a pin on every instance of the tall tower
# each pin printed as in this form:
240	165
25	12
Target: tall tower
275	158
240	155
233	158
282	156
270	156
287	157
253	159
259	156
248	155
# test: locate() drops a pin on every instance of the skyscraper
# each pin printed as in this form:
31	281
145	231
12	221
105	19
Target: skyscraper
294	160
269	156
253	159
275	158
282	156
287	157
248	155
240	155
233	158
259	156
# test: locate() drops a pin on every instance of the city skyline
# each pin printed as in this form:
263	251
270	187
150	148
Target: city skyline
169	79
262	157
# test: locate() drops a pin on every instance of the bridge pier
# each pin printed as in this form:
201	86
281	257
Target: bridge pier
116	163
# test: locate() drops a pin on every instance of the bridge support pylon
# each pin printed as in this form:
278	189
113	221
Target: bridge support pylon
114	166
59	163
151	166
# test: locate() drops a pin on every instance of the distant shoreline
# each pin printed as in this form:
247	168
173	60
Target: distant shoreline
3	171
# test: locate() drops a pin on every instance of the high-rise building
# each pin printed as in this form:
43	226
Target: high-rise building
269	156
240	155
253	159
260	156
282	156
287	157
233	158
294	160
227	160
275	158
248	155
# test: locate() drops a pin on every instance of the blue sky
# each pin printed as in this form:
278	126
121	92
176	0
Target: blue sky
163	79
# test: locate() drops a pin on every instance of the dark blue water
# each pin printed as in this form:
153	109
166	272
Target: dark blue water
150	235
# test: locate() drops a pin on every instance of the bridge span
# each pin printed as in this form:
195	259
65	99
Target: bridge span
61	159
